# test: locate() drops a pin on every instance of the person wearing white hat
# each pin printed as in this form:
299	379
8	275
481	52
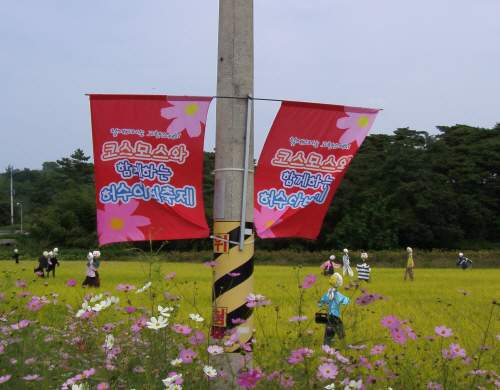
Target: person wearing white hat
464	262
16	256
42	264
409	264
345	260
333	299
92	276
329	265
363	271
53	262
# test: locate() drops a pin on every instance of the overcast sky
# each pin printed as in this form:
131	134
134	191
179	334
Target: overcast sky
425	63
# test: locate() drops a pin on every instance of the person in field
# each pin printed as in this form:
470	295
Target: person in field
464	262
52	262
92	276
42	264
333	299
346	267
363	271
328	266
16	256
409	264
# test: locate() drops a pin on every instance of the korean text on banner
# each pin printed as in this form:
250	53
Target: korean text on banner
304	158
148	158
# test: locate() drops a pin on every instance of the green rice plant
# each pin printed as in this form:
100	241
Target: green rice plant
54	342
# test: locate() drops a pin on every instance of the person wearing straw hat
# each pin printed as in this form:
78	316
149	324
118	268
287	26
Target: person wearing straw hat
409	264
92	276
345	260
333	299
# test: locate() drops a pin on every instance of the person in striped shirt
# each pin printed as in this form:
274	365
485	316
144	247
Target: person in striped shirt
363	271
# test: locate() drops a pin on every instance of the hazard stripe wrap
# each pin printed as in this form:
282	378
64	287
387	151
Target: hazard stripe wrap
228	292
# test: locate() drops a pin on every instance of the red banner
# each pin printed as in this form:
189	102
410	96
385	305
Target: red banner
148	158
306	154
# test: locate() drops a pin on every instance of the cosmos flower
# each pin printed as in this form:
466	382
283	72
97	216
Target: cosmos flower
196	317
309	281
187	355
215	350
209	371
443	331
328	370
265	219
187	115
159	323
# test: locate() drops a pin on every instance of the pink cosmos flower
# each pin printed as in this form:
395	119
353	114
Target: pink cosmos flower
170	276
187	355
233	274
116	223
309	281
172	297
267	218
357	125
411	333
287	382
365	300
182	329
296	318
125	287
130	309
478	372
365	362
249	378
211	264
33	377
198	338
238	321
21	284
22	294
329	350
434	386
380	363
464	292
328	370
399	335
443	331
187	115
21	324
449	354
296	357
458	351
103	386
85	374
377	349
71	283
357	347
215	350
391	322
5	378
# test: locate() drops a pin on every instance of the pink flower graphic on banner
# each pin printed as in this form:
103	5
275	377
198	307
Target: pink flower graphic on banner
188	115
357	125
116	223
265	219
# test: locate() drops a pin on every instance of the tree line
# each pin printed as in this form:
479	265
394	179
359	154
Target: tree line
405	189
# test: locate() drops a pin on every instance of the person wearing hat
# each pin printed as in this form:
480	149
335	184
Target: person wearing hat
329	265
345	260
333	299
363	271
53	262
92	276
16	256
42	264
464	262
409	264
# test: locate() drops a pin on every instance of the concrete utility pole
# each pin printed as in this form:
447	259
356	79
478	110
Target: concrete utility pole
234	153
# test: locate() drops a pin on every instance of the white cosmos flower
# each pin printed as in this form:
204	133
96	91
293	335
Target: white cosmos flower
110	341
144	288
215	350
176	362
354	384
77	387
96	298
330	387
85	306
196	317
164	311
210	371
80	313
154	323
170	380
173	386
113	300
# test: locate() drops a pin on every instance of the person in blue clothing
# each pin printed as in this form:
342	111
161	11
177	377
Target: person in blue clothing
464	262
333	299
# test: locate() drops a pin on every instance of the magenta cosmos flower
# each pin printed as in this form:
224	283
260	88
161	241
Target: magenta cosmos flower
187	115
391	322
443	331
116	223
249	379
267	218
309	281
187	355
71	283
399	335
377	349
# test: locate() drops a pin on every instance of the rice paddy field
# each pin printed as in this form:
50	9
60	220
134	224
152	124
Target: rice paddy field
448	323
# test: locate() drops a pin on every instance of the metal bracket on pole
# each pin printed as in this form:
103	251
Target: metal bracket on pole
245	173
